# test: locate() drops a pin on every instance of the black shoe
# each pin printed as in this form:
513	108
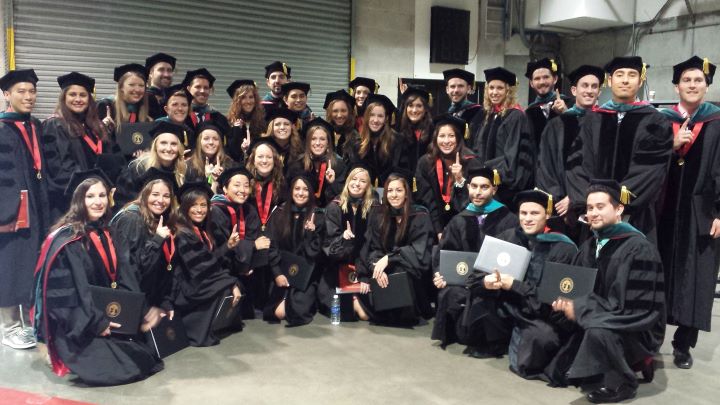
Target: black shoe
491	352
682	359
606	395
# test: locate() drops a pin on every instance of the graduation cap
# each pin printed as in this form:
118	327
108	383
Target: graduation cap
157	58
544	63
81	175
359	165
167	176
264	140
219	126
165	127
310	182
75	78
130	67
201	186
231	172
694	63
191	74
536	196
460	74
282	112
618	193
586	70
474	168
339	95
288	87
366	82
383	100
277	66
627	62
407	175
173	90
237	83
418	92
319	122
459	124
502	74
18	76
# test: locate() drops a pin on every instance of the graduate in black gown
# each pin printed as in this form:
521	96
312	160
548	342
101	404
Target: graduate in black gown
297	227
166	154
439	174
360	89
282	128
200	85
399	239
549	102
538	332
624	140
415	126
339	109
458	85
78	254
378	146
346	221
505	141
176	107
320	163
246	117
622	322
232	212
276	74
142	231
23	176
561	131
160	70
209	159
689	222
465	233
73	138
202	266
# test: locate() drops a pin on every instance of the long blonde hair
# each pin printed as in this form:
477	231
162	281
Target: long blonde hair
151	160
367	198
509	102
296	145
307	156
197	161
121	111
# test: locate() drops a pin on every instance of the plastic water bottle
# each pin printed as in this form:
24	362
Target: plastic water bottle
335	310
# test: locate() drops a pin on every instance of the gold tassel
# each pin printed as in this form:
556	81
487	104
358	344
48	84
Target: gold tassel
376	182
706	66
430	100
643	73
392	119
285	68
352	93
625	195
604	83
93	92
496	177
254	83
467	131
111	200
377	87
414	185
185	140
549	208
336	136
298	124
553	65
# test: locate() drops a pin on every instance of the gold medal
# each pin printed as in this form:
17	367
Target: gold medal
169	267
262	228
39	176
681	162
447	207
113	284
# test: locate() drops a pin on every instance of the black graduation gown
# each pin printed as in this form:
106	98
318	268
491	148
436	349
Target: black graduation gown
19	249
473	114
235	139
70	323
112	131
130	182
622	322
464	233
538	119
379	169
300	305
538	332
198	116
415	147
145	256
559	134
340	251
202	279
635	153
690	255
340	140
506	143
329	191
429	194
413	255
155	96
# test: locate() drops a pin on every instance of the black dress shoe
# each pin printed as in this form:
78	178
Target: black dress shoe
682	359
606	395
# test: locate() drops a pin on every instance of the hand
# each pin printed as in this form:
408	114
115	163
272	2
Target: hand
262	242
439	236
217	171
236	295
506	281
439	281
558	105
310	223
348	234
151	319
330	173
282	281
493	281
562	206
112	325
209	167
364	288
234	238
246	142
715	228
683	136
140	153
312	116
456	169
170	314
238	122
380	267
383	280
108	121
566	306
162	230
402	86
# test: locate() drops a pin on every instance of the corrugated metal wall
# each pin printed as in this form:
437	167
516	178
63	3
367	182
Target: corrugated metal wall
233	39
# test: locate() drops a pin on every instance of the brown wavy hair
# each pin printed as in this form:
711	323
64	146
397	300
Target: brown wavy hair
387	137
425	124
276	176
349	123
76	216
256	118
307	156
296	144
510	101
148	217
73	125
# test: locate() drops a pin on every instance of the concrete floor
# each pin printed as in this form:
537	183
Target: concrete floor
353	363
